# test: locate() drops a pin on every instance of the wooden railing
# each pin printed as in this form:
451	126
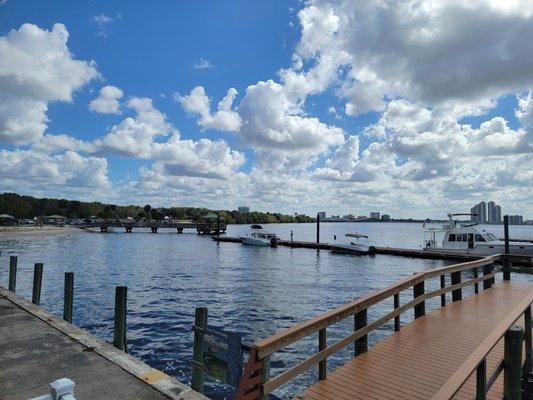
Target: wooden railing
251	387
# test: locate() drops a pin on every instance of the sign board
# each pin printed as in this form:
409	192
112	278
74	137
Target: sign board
222	354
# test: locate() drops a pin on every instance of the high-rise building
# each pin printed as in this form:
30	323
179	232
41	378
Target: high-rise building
385	217
516	219
374	215
479	213
244	209
491	212
498	217
322	215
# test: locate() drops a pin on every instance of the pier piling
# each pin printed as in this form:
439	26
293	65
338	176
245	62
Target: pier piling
506	261
13	273
512	364
318	228
68	298
37	281
119	340
200	322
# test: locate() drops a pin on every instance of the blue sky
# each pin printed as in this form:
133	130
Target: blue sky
328	105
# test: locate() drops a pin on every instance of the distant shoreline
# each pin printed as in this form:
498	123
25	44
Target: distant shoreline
33	231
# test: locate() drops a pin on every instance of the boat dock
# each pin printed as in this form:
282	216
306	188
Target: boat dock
38	348
475	347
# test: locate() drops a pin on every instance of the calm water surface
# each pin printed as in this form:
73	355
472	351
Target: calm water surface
255	291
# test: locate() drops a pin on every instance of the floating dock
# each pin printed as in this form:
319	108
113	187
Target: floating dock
37	348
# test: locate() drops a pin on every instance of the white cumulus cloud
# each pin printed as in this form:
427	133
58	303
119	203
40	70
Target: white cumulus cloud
107	101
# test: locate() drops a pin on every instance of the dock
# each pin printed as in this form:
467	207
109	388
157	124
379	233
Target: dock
38	348
475	347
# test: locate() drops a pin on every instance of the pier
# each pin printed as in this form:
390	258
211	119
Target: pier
39	348
475	347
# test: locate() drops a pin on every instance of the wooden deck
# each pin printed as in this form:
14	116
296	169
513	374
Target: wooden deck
417	361
453	352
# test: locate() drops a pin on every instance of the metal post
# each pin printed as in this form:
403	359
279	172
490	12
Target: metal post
200	322
318	228
457	294
506	261
322	365
442	286
481	380
119	337
512	364
360	321
68	298
13	273
528	364
37	281
218	224
397	318
418	290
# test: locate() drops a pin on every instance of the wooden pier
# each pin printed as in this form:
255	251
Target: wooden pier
37	348
477	347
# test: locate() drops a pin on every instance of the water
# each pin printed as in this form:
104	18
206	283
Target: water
255	291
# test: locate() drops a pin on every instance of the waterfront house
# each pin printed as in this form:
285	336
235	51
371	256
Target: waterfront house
55	220
6	219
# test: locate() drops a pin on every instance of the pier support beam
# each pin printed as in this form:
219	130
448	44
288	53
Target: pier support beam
200	322
512	364
318	228
119	336
13	273
68	299
506	262
37	282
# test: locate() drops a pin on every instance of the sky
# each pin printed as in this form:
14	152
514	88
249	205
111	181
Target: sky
410	108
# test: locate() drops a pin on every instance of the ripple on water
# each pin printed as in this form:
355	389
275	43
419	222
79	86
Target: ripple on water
253	291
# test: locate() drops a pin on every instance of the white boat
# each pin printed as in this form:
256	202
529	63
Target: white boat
259	237
463	237
356	246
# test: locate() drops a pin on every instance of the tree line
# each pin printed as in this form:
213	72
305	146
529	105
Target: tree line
29	207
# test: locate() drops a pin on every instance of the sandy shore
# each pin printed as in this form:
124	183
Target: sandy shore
17	231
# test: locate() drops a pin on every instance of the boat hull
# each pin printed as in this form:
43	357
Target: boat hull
487	250
255	242
348	249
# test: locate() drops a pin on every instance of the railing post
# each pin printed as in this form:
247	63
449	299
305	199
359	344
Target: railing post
512	364
37	282
200	322
481	380
419	290
119	335
322	365
360	321
528	364
13	273
442	286
68	298
397	323
487	269
506	261
476	285
265	375
457	294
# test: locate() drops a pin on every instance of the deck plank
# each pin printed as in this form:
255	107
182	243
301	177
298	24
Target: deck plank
415	362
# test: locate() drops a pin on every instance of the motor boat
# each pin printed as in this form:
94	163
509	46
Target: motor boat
464	237
259	237
357	245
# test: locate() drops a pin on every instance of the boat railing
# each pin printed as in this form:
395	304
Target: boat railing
262	350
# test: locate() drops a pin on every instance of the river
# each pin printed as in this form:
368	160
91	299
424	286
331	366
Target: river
254	291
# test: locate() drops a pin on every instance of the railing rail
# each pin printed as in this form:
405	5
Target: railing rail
266	347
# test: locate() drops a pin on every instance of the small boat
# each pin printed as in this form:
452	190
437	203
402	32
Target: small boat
357	246
463	237
259	237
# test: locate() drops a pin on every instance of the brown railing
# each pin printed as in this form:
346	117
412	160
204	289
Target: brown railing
251	387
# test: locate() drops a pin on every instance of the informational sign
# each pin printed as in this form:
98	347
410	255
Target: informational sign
222	354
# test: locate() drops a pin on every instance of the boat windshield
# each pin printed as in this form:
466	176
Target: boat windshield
491	237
